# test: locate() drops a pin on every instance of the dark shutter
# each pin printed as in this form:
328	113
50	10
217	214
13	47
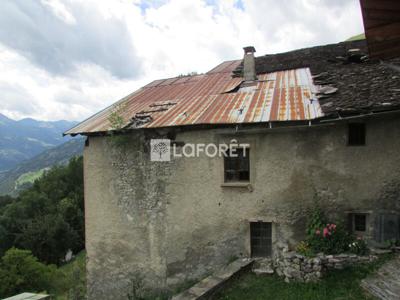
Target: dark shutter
377	229
390	227
387	227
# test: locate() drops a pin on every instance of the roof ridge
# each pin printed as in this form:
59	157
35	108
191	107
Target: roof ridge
360	42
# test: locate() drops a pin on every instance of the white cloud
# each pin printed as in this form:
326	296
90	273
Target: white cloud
294	24
60	11
100	51
27	90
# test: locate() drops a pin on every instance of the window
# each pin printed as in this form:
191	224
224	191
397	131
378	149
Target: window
237	168
261	239
356	134
360	222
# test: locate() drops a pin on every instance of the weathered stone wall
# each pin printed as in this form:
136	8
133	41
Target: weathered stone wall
125	199
294	266
175	221
290	169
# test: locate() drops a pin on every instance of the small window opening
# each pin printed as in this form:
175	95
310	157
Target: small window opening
237	168
356	134
360	222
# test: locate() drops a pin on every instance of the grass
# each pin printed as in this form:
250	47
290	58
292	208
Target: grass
72	276
336	285
29	177
71	282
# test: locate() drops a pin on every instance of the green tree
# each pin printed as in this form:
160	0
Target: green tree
21	272
47	218
4	201
48	237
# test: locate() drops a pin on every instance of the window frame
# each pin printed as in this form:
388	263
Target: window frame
356	222
353	223
238	181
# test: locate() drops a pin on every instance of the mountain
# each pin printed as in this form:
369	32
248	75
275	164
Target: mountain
26	138
357	37
23	175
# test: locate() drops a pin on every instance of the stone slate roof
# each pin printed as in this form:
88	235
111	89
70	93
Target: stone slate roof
363	85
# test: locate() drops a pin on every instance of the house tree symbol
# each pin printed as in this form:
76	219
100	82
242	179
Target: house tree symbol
160	148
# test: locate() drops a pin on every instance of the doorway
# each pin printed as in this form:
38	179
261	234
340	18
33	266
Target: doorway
261	239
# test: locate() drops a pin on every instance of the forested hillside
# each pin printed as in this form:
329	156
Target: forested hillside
22	176
47	220
48	217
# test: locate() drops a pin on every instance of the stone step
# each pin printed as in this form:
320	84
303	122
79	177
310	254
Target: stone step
264	271
263	266
380	251
385	283
211	284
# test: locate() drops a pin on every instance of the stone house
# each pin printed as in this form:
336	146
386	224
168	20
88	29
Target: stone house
321	125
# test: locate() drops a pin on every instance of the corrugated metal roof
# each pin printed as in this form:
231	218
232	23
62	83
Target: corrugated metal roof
213	98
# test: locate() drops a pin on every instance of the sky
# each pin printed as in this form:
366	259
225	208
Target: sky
68	59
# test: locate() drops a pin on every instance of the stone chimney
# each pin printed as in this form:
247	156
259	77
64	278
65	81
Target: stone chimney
249	65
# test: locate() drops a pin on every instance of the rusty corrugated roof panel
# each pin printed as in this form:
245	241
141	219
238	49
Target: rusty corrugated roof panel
214	98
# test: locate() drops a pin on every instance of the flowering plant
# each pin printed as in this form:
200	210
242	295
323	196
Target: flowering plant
330	238
328	230
358	246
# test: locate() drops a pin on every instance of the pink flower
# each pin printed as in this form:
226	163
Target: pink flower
317	232
359	238
326	232
331	226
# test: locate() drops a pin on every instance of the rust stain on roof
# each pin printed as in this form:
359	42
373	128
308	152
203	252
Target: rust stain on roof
214	98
